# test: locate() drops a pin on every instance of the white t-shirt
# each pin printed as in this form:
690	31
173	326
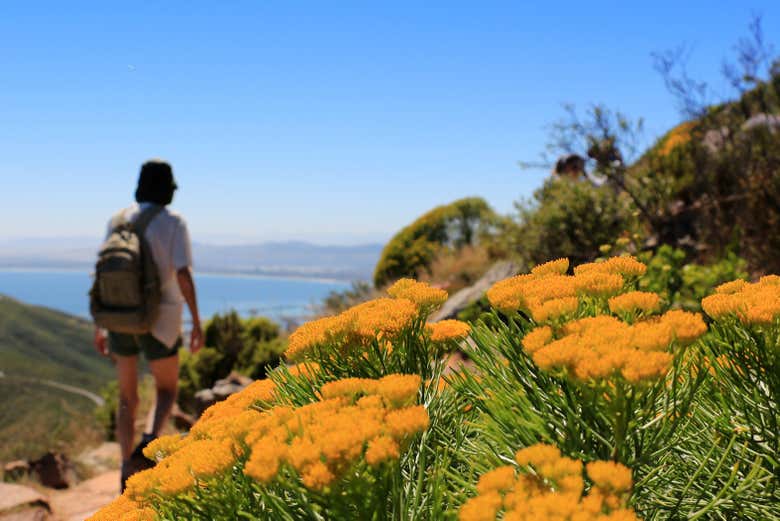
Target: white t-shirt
169	240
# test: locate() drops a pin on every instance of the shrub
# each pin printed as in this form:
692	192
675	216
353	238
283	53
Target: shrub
451	226
568	218
589	399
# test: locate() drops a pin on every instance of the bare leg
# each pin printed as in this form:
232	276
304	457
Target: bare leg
166	379
127	375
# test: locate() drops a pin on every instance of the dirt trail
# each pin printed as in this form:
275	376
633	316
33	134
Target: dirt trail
86	498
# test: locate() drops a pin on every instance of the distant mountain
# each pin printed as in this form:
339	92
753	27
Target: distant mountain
269	258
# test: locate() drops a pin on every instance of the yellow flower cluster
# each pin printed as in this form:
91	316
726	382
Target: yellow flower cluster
549	487
553	267
604	347
548	294
123	509
752	304
635	302
180	472
448	330
624	265
420	293
384	317
357	418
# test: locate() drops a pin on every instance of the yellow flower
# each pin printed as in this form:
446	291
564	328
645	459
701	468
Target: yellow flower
315	334
348	387
687	327
115	510
140	514
597	283
263	464
554	267
635	302
403	423
420	293
500	480
317	476
537	339
735	286
399	390
610	476
384	316
481	508
163	447
381	449
554	309
625	265
552	491
448	330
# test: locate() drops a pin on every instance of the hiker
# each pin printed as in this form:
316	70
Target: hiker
142	278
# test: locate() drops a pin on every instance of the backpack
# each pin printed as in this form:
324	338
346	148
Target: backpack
125	294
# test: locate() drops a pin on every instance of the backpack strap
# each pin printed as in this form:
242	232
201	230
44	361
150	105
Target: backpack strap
145	218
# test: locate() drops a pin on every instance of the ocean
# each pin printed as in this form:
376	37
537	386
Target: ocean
275	297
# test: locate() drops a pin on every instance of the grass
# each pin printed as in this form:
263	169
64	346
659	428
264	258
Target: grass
39	343
35	418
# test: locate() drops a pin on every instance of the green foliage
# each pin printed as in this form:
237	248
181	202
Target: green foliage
41	344
338	301
249	346
451	226
684	284
568	218
106	413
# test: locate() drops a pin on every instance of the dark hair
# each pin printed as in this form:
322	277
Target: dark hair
155	183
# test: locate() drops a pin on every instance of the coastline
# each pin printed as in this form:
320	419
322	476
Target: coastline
227	274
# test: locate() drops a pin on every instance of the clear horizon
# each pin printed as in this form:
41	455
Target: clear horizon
313	122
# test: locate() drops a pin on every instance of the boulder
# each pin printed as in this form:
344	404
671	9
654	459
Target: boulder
18	502
51	470
463	298
15	470
223	388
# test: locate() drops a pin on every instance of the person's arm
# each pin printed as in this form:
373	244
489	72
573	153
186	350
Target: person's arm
187	287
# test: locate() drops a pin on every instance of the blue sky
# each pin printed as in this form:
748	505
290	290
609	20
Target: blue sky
336	122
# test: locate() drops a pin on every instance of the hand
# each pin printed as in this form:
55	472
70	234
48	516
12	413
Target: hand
101	341
196	339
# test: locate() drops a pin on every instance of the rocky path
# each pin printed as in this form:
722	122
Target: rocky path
35	503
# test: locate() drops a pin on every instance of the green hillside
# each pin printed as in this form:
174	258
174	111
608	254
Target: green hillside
40	344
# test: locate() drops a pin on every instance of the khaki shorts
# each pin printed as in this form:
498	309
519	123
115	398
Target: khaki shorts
131	345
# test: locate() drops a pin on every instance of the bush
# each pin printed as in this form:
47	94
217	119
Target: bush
589	398
248	346
568	218
451	226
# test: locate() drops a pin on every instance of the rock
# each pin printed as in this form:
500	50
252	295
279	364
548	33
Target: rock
17	500
232	384
181	420
51	470
463	298
104	457
14	470
86	498
715	139
768	121
203	400
223	388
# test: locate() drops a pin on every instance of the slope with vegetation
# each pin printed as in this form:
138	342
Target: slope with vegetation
41	344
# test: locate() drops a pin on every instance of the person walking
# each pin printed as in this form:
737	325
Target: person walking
143	277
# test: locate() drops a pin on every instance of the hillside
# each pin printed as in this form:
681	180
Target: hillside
40	344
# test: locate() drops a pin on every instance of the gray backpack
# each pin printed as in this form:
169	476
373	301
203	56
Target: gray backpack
125	294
